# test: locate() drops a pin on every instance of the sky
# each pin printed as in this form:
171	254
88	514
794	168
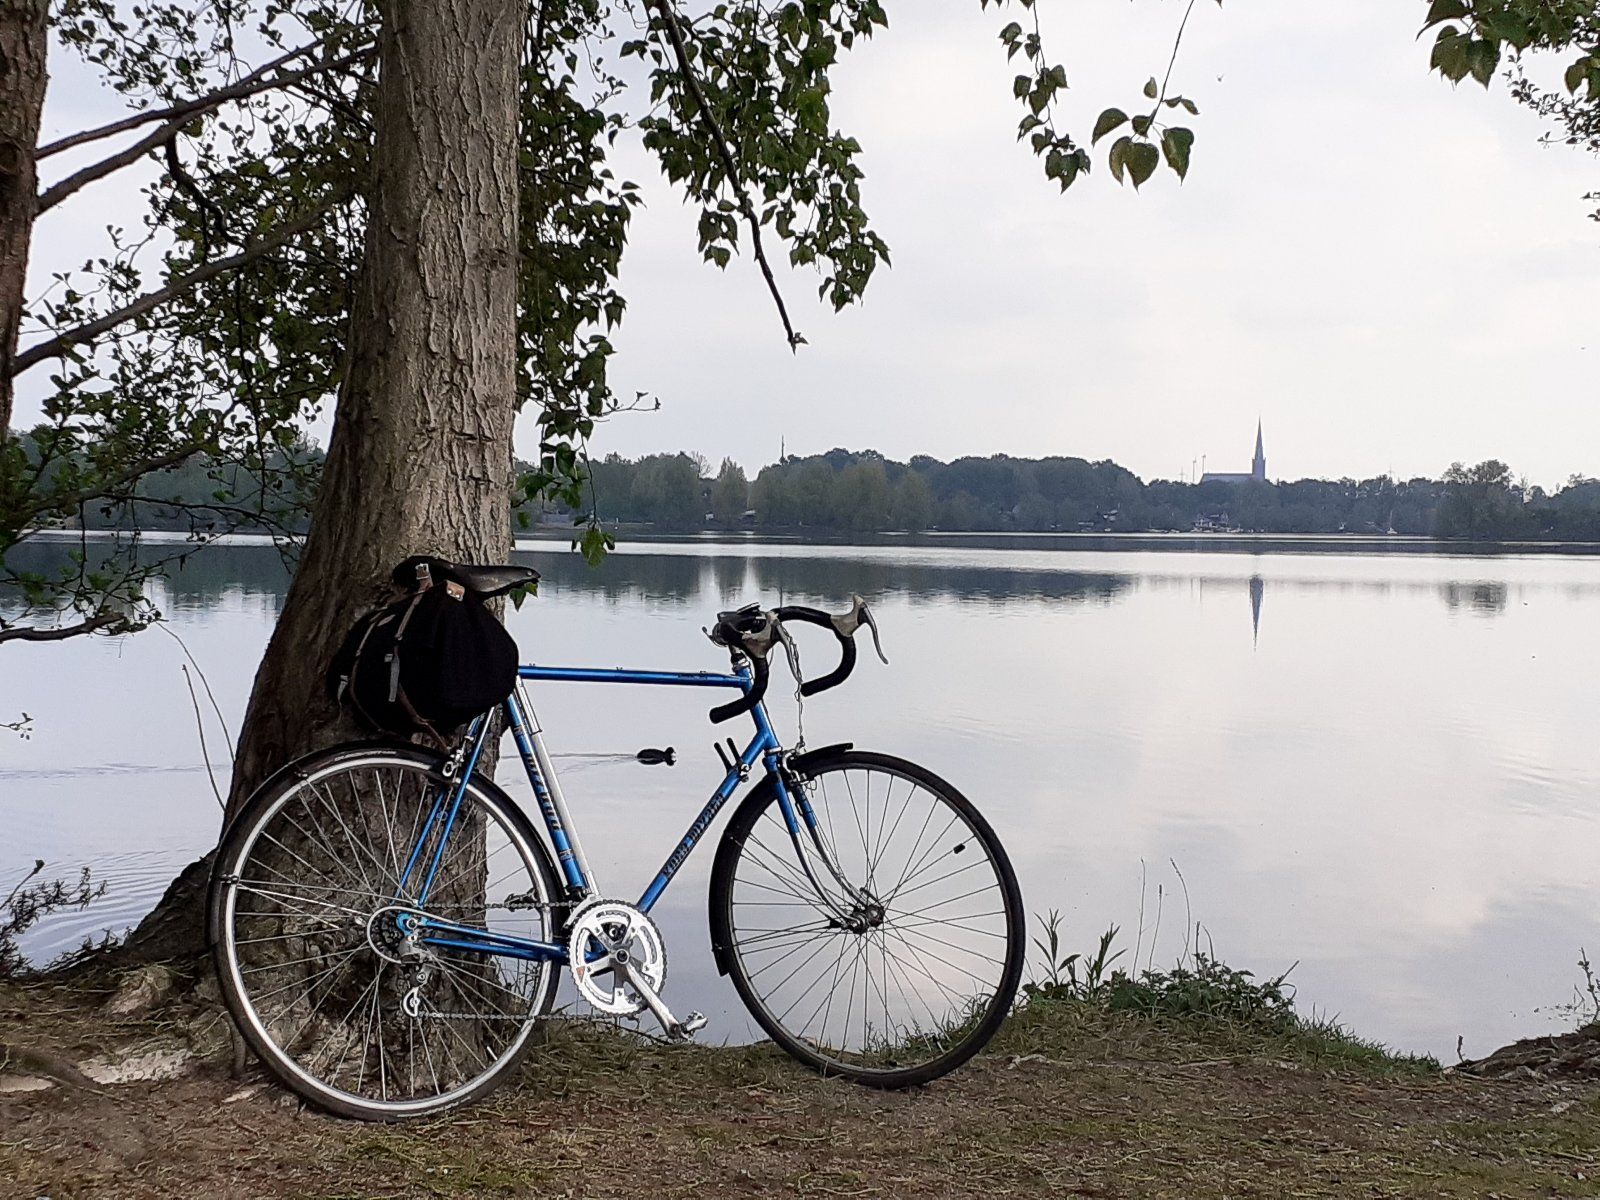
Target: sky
1390	273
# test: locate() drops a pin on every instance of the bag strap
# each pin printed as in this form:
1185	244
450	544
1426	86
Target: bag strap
400	630
370	623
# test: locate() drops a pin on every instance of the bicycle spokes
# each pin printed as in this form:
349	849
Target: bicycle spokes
360	991
894	968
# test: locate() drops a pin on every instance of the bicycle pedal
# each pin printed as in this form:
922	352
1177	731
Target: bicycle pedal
689	1026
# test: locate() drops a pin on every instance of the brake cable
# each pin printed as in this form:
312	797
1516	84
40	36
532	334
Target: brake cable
792	649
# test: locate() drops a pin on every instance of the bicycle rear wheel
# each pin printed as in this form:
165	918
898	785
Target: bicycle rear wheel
309	912
913	966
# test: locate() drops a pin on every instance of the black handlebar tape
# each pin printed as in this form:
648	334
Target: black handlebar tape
799	612
847	663
847	648
734	708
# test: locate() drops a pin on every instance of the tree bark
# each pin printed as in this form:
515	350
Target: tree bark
420	457
24	28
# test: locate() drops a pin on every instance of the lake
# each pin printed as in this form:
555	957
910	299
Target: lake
1374	762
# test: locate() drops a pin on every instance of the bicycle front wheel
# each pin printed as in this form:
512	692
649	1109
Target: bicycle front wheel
898	962
321	944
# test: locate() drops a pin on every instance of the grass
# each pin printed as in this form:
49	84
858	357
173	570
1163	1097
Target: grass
1200	999
1195	1080
1078	1095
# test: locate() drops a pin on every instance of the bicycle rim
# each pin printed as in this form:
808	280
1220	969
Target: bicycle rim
915	964
316	968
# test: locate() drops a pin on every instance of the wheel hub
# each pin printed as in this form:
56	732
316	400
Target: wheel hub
864	915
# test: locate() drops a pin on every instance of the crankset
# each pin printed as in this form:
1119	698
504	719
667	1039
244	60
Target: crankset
619	964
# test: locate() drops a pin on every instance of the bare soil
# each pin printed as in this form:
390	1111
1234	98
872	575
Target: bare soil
1066	1103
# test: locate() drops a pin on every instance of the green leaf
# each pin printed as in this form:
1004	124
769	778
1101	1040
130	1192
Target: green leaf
1141	125
1445	10
1176	144
1152	89
1483	58
1075	163
1119	156
1109	120
1451	54
594	543
1142	160
1578	72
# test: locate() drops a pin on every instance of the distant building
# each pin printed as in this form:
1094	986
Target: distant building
1216	522
1258	468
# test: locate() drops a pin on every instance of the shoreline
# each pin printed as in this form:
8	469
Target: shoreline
1397	545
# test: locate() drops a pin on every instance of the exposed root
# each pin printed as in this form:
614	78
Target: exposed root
30	1060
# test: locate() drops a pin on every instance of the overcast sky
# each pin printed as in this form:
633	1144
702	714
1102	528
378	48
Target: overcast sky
1389	272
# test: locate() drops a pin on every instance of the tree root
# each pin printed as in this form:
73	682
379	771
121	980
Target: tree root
48	1064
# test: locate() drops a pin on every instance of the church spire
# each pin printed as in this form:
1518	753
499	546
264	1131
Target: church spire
1258	466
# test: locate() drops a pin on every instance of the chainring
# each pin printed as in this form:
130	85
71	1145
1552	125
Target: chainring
600	932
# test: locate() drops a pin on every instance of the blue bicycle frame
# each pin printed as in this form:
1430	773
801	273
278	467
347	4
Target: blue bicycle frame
764	748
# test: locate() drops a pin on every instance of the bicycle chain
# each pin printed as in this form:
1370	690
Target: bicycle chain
546	906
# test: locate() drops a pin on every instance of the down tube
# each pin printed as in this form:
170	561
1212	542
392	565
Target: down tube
763	746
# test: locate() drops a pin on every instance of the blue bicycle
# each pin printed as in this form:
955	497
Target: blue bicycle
389	926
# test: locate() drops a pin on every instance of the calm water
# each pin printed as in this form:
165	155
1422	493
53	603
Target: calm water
1381	766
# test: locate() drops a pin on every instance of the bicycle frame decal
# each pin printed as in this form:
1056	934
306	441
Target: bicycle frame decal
764	748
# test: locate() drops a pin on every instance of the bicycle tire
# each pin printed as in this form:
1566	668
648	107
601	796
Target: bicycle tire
902	937
298	926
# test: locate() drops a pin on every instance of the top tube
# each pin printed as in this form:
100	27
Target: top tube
626	675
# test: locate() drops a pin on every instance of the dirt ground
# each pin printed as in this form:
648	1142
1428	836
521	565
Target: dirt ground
1064	1104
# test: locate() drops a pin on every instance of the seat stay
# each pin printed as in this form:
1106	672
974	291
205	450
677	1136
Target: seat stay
447	807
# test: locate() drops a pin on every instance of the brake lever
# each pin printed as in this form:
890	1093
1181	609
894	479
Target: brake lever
790	649
860	614
872	624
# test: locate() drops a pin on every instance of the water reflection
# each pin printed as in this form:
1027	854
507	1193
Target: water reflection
1399	798
1485	599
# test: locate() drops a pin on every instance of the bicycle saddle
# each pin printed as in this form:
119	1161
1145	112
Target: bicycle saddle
491	580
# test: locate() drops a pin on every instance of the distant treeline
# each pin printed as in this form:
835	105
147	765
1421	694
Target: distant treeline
844	492
200	494
861	491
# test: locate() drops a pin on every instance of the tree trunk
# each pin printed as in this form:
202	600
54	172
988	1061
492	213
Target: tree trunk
420	458
24	27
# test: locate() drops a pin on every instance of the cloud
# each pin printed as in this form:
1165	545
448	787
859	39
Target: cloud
1391	272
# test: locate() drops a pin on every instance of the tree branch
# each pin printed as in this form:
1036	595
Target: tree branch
259	80
90	330
725	152
58	192
33	633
